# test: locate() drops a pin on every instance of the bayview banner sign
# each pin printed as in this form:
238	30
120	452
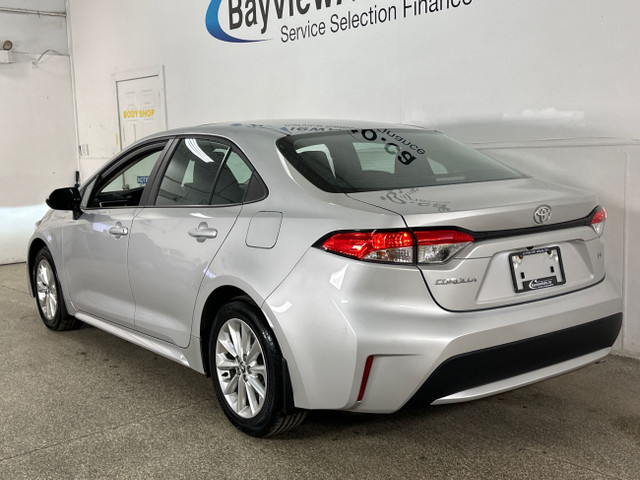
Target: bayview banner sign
247	21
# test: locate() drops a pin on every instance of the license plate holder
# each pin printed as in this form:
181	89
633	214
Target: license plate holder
536	269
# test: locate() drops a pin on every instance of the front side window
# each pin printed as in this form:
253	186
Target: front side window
85	193
351	161
124	187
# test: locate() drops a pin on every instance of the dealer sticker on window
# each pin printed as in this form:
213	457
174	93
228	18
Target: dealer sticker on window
536	269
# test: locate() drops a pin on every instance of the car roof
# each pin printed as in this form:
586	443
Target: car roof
274	129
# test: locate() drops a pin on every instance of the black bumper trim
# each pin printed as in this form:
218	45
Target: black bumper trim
481	367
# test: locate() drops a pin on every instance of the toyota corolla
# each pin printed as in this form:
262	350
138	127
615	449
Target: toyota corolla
329	265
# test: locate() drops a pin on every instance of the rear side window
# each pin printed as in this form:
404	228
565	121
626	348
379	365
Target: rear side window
191	173
232	182
206	172
383	159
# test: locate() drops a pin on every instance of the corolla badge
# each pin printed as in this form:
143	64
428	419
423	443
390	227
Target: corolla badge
455	281
542	214
212	20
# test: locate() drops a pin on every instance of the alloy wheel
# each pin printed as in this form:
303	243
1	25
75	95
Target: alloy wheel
241	369
47	290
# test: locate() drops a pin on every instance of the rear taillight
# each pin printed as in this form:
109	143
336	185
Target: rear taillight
396	246
399	246
438	246
598	220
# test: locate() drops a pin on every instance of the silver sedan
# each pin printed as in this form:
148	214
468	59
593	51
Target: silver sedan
329	265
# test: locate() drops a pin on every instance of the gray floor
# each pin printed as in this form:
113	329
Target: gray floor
84	404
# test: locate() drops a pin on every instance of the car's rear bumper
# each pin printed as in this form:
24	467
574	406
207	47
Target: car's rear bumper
332	313
483	372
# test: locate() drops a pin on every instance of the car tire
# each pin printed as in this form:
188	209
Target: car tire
49	297
248	374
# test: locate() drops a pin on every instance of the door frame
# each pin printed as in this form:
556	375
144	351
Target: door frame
134	75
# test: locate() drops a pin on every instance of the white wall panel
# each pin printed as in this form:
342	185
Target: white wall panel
37	134
551	87
632	254
32	34
567	67
39	5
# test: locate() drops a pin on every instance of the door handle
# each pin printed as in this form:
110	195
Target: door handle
203	232
118	230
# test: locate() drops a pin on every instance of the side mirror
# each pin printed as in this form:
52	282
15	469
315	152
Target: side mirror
67	198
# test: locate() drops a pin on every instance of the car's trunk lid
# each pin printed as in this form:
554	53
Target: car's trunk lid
483	206
512	249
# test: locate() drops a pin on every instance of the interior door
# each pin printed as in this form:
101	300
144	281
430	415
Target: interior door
174	241
140	107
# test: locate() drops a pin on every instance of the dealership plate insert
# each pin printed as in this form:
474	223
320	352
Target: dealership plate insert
536	269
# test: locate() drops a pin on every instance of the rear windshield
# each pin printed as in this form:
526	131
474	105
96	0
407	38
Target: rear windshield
384	159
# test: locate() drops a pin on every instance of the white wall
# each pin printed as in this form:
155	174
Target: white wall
551	87
37	133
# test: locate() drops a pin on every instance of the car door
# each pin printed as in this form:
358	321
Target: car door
172	243
95	245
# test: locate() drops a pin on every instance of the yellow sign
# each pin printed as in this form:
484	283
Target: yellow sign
142	113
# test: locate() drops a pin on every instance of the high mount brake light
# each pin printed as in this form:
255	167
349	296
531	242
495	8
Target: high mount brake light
399	246
598	220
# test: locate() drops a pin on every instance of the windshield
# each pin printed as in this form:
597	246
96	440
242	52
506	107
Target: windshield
384	159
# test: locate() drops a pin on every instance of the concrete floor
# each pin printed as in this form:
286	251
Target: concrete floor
85	404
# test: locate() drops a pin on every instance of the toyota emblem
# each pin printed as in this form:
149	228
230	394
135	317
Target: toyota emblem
542	214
